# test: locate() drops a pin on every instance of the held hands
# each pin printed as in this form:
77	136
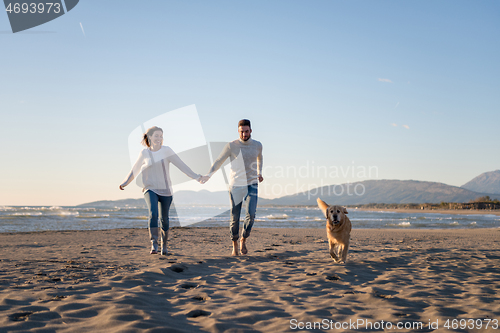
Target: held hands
203	179
122	187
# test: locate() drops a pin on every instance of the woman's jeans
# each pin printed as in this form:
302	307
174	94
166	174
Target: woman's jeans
154	200
239	195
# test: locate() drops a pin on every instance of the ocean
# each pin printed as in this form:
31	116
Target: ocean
36	218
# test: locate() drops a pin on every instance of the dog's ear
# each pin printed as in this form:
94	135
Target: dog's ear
323	206
345	210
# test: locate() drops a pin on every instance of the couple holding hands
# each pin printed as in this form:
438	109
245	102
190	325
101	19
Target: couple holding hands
246	172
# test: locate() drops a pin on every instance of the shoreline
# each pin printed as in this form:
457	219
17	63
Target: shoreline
432	211
391	229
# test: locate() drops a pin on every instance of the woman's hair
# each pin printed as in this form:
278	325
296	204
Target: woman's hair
145	137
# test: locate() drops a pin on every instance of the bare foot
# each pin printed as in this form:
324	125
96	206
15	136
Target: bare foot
235	249
243	246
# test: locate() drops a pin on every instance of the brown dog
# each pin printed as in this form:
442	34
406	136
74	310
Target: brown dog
338	230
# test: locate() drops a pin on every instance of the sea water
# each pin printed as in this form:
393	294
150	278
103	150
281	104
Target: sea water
36	218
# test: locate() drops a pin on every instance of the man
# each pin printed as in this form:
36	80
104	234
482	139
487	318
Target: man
246	173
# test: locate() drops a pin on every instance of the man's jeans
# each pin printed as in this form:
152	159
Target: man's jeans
239	195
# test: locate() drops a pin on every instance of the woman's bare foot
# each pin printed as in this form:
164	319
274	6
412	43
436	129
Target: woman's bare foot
243	246
235	249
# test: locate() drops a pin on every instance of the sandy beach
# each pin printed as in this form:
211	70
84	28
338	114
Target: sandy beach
106	281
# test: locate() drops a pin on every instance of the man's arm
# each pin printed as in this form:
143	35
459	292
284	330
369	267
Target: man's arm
260	163
226	152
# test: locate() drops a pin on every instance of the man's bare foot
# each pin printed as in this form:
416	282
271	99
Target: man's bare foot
235	249
243	246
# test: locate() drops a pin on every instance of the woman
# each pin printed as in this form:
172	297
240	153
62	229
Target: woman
153	164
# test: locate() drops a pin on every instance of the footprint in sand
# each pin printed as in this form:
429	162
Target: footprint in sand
178	268
198	313
20	316
188	285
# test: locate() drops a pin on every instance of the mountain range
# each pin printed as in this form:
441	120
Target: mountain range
382	191
488	182
365	192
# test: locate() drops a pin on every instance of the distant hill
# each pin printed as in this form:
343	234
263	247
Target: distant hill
380	191
488	182
116	203
203	197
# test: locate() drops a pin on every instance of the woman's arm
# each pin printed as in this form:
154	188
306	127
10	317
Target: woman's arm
176	160
128	180
136	169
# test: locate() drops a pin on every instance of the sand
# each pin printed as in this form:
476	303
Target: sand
106	281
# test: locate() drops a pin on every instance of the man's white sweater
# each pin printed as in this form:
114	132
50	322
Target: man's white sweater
246	162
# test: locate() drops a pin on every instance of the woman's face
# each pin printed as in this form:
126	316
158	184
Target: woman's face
156	139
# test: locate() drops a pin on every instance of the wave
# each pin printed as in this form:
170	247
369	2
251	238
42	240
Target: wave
400	224
135	217
314	218
93	216
63	213
420	218
276	217
40	212
85	209
27	214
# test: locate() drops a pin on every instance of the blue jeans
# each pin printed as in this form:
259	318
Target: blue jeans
154	200
239	195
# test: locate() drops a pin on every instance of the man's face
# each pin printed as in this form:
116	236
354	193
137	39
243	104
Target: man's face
244	132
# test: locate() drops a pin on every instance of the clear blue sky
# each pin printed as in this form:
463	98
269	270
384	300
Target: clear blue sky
409	87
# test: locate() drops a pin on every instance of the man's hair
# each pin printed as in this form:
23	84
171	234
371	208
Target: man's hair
244	122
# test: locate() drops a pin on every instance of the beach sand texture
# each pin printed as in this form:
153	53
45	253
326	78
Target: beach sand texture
106	281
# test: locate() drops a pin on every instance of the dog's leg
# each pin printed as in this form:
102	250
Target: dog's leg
340	252
333	253
344	253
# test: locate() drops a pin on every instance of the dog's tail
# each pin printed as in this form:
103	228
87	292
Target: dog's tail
322	205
